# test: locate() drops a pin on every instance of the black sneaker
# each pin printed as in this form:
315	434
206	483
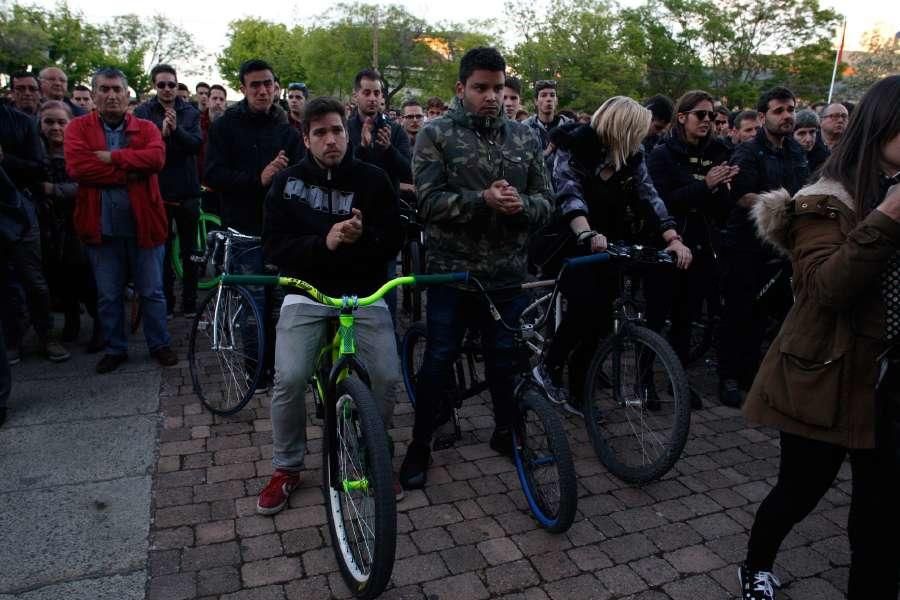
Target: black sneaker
757	585
165	356
502	442
414	470
110	362
730	393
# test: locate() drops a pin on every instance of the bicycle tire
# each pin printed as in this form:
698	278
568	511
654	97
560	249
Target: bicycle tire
365	564
610	402
240	372
541	451
207	222
412	351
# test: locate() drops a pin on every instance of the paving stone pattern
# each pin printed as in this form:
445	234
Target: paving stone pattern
469	535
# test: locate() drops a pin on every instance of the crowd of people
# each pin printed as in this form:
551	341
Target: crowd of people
95	185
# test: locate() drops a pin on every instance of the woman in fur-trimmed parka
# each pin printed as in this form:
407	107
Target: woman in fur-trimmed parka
827	382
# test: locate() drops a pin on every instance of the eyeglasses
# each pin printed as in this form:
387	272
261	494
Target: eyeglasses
702	115
161	85
838	116
417	117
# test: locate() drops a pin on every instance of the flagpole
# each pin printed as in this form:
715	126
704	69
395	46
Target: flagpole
837	59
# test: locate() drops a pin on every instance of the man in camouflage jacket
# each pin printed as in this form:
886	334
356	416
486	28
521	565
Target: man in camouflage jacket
482	189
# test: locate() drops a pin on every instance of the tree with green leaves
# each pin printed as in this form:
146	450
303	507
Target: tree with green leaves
272	42
880	59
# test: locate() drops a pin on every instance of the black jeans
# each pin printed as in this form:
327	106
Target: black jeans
26	266
5	371
184	216
589	293
450	313
807	470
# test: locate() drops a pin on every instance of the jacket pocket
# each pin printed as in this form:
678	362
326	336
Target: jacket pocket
811	390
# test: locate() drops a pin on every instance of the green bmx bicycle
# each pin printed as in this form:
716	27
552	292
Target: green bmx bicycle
357	479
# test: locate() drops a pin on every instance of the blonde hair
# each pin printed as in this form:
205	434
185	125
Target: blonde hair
621	124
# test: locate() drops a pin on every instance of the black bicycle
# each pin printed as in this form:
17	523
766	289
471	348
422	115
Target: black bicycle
636	397
541	450
636	400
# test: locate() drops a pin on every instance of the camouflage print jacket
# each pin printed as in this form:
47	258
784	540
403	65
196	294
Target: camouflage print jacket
456	158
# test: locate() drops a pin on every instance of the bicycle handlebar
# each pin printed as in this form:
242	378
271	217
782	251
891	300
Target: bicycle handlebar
315	294
599	257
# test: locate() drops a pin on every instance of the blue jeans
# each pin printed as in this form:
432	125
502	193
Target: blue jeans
112	261
450	313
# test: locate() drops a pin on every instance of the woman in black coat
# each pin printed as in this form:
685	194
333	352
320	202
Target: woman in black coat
691	173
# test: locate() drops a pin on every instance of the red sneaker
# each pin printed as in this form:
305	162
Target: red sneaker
275	495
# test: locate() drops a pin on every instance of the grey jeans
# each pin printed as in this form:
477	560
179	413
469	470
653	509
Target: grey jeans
300	335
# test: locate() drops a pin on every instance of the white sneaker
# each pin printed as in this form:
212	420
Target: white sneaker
757	585
555	393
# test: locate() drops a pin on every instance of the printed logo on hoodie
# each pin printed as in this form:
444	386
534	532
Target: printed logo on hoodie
318	198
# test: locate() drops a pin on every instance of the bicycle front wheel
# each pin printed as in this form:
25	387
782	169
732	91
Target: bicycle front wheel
225	351
412	353
544	462
358	488
637	405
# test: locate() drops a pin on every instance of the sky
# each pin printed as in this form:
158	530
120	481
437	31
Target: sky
208	20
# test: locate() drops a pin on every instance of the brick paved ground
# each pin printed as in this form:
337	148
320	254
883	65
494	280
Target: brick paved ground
469	535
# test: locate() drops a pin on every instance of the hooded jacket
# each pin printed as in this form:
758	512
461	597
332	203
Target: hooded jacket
818	378
624	207
241	143
457	157
302	205
178	180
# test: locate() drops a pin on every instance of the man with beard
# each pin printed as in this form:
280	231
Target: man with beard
413	119
331	220
482	187
375	139
835	117
769	161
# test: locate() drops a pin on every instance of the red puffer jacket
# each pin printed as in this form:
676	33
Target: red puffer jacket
134	167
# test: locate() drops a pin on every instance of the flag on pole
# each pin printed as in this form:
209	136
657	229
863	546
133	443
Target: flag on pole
837	60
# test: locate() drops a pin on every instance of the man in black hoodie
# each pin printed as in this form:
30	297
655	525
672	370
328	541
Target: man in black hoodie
333	221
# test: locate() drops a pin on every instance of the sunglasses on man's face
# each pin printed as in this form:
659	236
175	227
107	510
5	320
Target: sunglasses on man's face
161	85
702	115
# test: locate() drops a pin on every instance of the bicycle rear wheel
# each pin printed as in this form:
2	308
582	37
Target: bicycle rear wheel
225	351
637	405
358	488
544	462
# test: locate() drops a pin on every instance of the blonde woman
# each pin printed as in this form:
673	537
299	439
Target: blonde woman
603	192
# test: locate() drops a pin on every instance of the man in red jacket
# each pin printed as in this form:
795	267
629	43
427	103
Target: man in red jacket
119	214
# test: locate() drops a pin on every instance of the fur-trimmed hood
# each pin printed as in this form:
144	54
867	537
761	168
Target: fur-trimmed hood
772	212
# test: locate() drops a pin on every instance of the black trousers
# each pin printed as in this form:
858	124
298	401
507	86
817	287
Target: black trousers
745	319
807	470
589	293
184	216
678	296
